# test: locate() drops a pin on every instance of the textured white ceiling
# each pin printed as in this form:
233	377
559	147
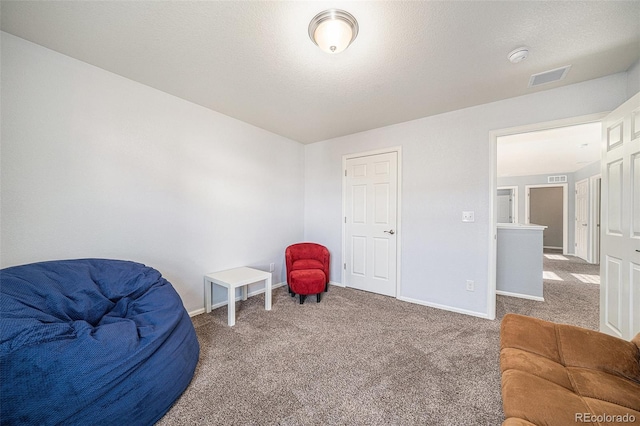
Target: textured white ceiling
561	150
253	60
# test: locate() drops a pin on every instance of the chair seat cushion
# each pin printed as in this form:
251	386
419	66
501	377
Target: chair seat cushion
307	281
91	341
307	264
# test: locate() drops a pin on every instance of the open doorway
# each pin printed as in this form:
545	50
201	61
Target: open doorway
562	156
538	160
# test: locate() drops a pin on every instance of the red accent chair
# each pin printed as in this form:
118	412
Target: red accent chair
307	269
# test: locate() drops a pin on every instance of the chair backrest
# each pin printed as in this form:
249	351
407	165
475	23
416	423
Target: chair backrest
307	251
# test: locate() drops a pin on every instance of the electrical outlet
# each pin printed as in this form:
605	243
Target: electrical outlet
272	267
470	285
468	217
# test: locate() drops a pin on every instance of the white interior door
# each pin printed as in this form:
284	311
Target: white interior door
371	190
505	207
620	221
597	209
582	219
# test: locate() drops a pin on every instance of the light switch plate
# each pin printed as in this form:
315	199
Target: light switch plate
468	217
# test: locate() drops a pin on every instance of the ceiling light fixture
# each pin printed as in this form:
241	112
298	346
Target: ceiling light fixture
518	55
333	30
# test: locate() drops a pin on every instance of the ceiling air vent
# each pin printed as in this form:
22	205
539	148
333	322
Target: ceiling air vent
557	179
549	76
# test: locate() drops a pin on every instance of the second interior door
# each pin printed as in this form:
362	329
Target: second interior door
582	219
371	192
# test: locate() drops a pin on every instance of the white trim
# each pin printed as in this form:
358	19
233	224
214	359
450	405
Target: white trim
594	203
238	298
555	124
520	295
493	189
522	226
337	284
552	247
196	312
493	226
345	157
514	207
565	209
575	219
446	308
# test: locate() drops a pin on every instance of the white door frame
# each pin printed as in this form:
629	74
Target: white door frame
398	150
565	209
575	221
493	189
515	207
594	231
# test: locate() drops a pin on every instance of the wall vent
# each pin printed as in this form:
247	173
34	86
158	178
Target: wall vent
549	76
557	179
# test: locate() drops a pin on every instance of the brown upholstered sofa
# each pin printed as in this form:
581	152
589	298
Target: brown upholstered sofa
554	374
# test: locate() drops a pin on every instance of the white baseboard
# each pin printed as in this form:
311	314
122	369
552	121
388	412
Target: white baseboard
552	247
337	284
224	303
444	307
196	312
520	295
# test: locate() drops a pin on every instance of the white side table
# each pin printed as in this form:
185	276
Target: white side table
232	279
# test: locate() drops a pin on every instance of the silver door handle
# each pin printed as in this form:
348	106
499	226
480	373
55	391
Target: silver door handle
638	251
390	232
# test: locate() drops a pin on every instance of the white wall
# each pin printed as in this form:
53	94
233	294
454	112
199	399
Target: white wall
446	169
587	171
96	165
633	80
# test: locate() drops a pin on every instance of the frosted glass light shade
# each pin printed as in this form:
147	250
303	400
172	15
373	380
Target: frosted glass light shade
333	30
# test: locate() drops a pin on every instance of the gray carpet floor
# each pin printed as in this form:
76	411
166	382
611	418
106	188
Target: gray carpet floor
358	358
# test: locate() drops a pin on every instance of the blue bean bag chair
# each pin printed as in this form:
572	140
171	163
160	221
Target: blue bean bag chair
91	342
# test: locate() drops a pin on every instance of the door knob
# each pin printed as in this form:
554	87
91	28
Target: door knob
390	232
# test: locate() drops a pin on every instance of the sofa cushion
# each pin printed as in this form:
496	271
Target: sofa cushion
535	336
592	349
512	421
517	359
627	416
554	374
606	387
538	400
